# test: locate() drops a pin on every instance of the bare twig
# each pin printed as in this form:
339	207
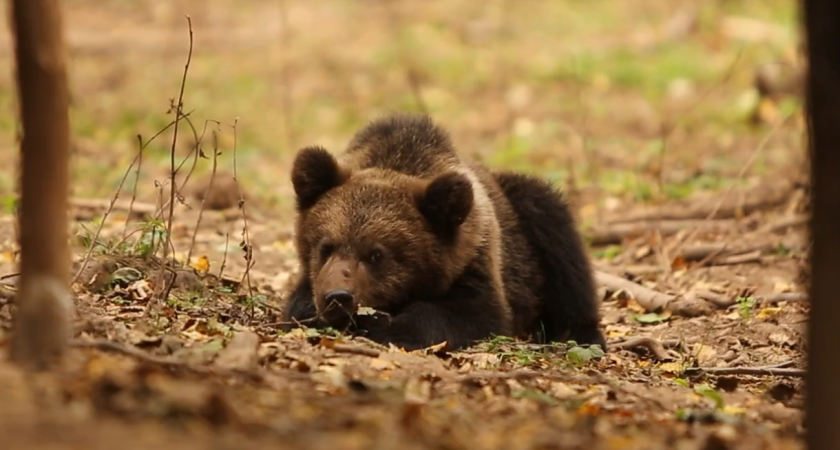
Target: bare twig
224	256
355	350
787	222
614	234
134	186
111	205
206	194
9	275
774	370
655	347
246	238
754	256
179	106
649	299
786	297
703	251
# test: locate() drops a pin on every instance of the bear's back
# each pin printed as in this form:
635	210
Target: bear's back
408	144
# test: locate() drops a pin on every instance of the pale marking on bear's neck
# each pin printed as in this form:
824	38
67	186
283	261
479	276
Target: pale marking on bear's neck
486	231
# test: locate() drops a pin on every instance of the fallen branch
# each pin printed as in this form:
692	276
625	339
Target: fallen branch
775	370
649	299
138	208
655	347
762	197
616	233
781	225
129	350
750	257
715	251
355	350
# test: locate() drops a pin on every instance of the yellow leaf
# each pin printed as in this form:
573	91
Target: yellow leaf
766	313
633	305
9	256
767	110
202	264
734	410
671	367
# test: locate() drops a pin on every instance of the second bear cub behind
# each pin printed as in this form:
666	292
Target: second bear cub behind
453	252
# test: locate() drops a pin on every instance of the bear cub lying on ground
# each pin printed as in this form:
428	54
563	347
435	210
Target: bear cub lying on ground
448	249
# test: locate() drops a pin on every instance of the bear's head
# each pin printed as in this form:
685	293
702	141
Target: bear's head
378	238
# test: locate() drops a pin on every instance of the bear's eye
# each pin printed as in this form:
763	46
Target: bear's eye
326	249
375	256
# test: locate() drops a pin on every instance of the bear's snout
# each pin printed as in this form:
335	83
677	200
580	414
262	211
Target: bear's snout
341	297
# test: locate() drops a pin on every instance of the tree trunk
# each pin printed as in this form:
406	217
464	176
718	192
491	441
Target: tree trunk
42	329
822	21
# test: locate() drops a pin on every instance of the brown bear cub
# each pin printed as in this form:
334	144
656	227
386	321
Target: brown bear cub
448	249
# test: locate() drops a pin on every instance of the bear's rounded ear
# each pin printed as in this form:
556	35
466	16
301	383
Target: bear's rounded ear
446	201
314	172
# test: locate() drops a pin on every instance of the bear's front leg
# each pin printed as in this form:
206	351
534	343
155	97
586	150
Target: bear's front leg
459	322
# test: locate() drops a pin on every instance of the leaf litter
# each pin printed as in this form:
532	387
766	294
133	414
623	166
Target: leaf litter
208	367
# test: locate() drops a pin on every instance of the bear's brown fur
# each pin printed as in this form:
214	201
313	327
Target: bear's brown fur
450	250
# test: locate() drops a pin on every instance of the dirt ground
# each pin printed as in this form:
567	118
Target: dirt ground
686	178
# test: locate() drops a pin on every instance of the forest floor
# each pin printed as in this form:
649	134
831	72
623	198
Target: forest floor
687	184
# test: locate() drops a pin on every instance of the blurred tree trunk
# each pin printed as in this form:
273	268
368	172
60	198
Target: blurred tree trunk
43	315
822	21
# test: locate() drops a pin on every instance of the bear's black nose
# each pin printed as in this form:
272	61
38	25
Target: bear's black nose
341	296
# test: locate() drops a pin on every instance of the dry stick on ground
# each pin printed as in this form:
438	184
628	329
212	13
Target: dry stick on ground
747	165
355	350
616	233
206	194
649	299
775	370
703	251
655	347
246	237
787	222
45	305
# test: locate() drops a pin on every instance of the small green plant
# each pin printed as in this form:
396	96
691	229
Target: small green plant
713	395
745	306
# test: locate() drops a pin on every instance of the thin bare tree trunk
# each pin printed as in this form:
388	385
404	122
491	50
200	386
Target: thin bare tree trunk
822	21
44	303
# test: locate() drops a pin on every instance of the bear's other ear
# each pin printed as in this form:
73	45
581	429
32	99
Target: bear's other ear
314	172
446	201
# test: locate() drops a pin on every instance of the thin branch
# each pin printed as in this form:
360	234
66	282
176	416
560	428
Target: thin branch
178	110
774	370
134	187
224	256
246	238
206	194
655	347
113	201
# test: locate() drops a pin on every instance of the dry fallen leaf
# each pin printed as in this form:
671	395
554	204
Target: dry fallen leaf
240	353
202	264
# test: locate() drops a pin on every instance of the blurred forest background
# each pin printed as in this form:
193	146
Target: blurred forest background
619	102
